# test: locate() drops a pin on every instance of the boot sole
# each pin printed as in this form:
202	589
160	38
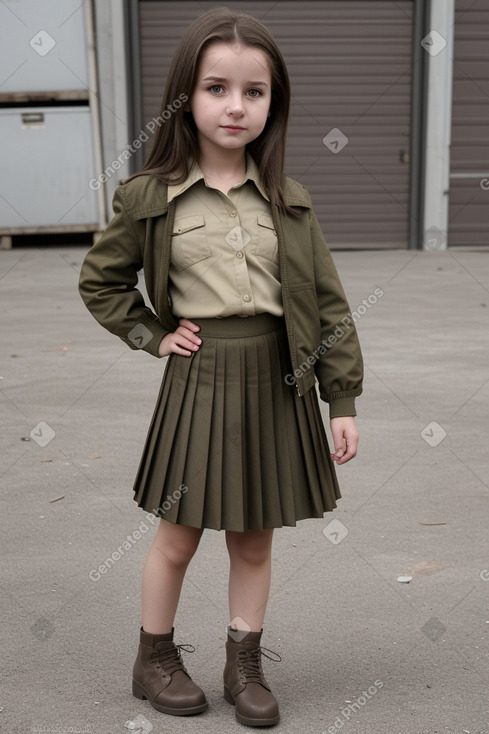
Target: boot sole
139	692
245	719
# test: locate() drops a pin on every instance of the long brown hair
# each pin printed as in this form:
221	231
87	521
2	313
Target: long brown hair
175	146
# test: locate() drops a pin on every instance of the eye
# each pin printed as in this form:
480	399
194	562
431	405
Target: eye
254	93
214	89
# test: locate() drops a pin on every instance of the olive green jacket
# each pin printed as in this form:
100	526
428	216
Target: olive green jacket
321	333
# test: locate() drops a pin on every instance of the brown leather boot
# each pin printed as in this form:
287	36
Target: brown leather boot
244	683
160	676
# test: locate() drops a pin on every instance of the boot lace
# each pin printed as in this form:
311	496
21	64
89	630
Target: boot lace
249	662
170	660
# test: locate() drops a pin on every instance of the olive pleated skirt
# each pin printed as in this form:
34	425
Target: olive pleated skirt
231	445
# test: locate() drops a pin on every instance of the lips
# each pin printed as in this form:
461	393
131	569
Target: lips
232	127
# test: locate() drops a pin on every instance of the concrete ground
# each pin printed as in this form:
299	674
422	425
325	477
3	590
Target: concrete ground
362	652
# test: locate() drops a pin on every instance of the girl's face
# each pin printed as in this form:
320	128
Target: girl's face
231	99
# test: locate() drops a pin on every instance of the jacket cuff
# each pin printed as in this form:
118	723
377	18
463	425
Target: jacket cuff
147	339
158	333
342	407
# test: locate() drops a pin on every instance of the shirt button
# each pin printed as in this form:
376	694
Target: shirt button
247	298
233	214
239	254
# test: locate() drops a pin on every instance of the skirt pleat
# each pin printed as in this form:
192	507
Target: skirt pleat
230	445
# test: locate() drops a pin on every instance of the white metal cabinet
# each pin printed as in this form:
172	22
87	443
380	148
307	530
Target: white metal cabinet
46	168
49	120
43	45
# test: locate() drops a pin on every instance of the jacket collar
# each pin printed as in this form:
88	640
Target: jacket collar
196	174
147	195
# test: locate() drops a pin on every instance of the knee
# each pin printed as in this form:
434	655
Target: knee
179	558
180	555
178	549
251	551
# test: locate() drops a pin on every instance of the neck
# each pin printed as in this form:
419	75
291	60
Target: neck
222	164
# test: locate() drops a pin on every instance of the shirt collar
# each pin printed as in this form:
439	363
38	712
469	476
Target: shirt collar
195	174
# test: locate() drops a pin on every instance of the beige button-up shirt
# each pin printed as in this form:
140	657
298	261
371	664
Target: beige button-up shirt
224	257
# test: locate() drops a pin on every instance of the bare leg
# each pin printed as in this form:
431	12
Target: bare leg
172	550
250	555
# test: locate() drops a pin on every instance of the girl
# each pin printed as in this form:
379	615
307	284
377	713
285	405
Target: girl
247	304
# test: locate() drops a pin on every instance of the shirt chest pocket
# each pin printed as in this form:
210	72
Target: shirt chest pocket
267	239
189	241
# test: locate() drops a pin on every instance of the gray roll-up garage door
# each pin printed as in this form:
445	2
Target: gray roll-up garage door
349	135
469	159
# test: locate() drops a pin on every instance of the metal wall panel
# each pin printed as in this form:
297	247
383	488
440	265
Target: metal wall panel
469	166
350	68
47	185
42	46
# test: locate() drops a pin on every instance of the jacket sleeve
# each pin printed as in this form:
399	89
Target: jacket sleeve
339	367
108	280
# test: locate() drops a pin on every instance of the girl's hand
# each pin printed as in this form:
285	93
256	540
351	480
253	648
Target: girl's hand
182	341
345	438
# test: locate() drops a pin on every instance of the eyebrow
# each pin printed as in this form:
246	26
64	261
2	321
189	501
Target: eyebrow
221	79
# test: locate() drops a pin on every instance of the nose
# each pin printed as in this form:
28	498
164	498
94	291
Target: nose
235	104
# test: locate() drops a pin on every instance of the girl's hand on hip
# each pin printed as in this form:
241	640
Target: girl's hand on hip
182	341
345	438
